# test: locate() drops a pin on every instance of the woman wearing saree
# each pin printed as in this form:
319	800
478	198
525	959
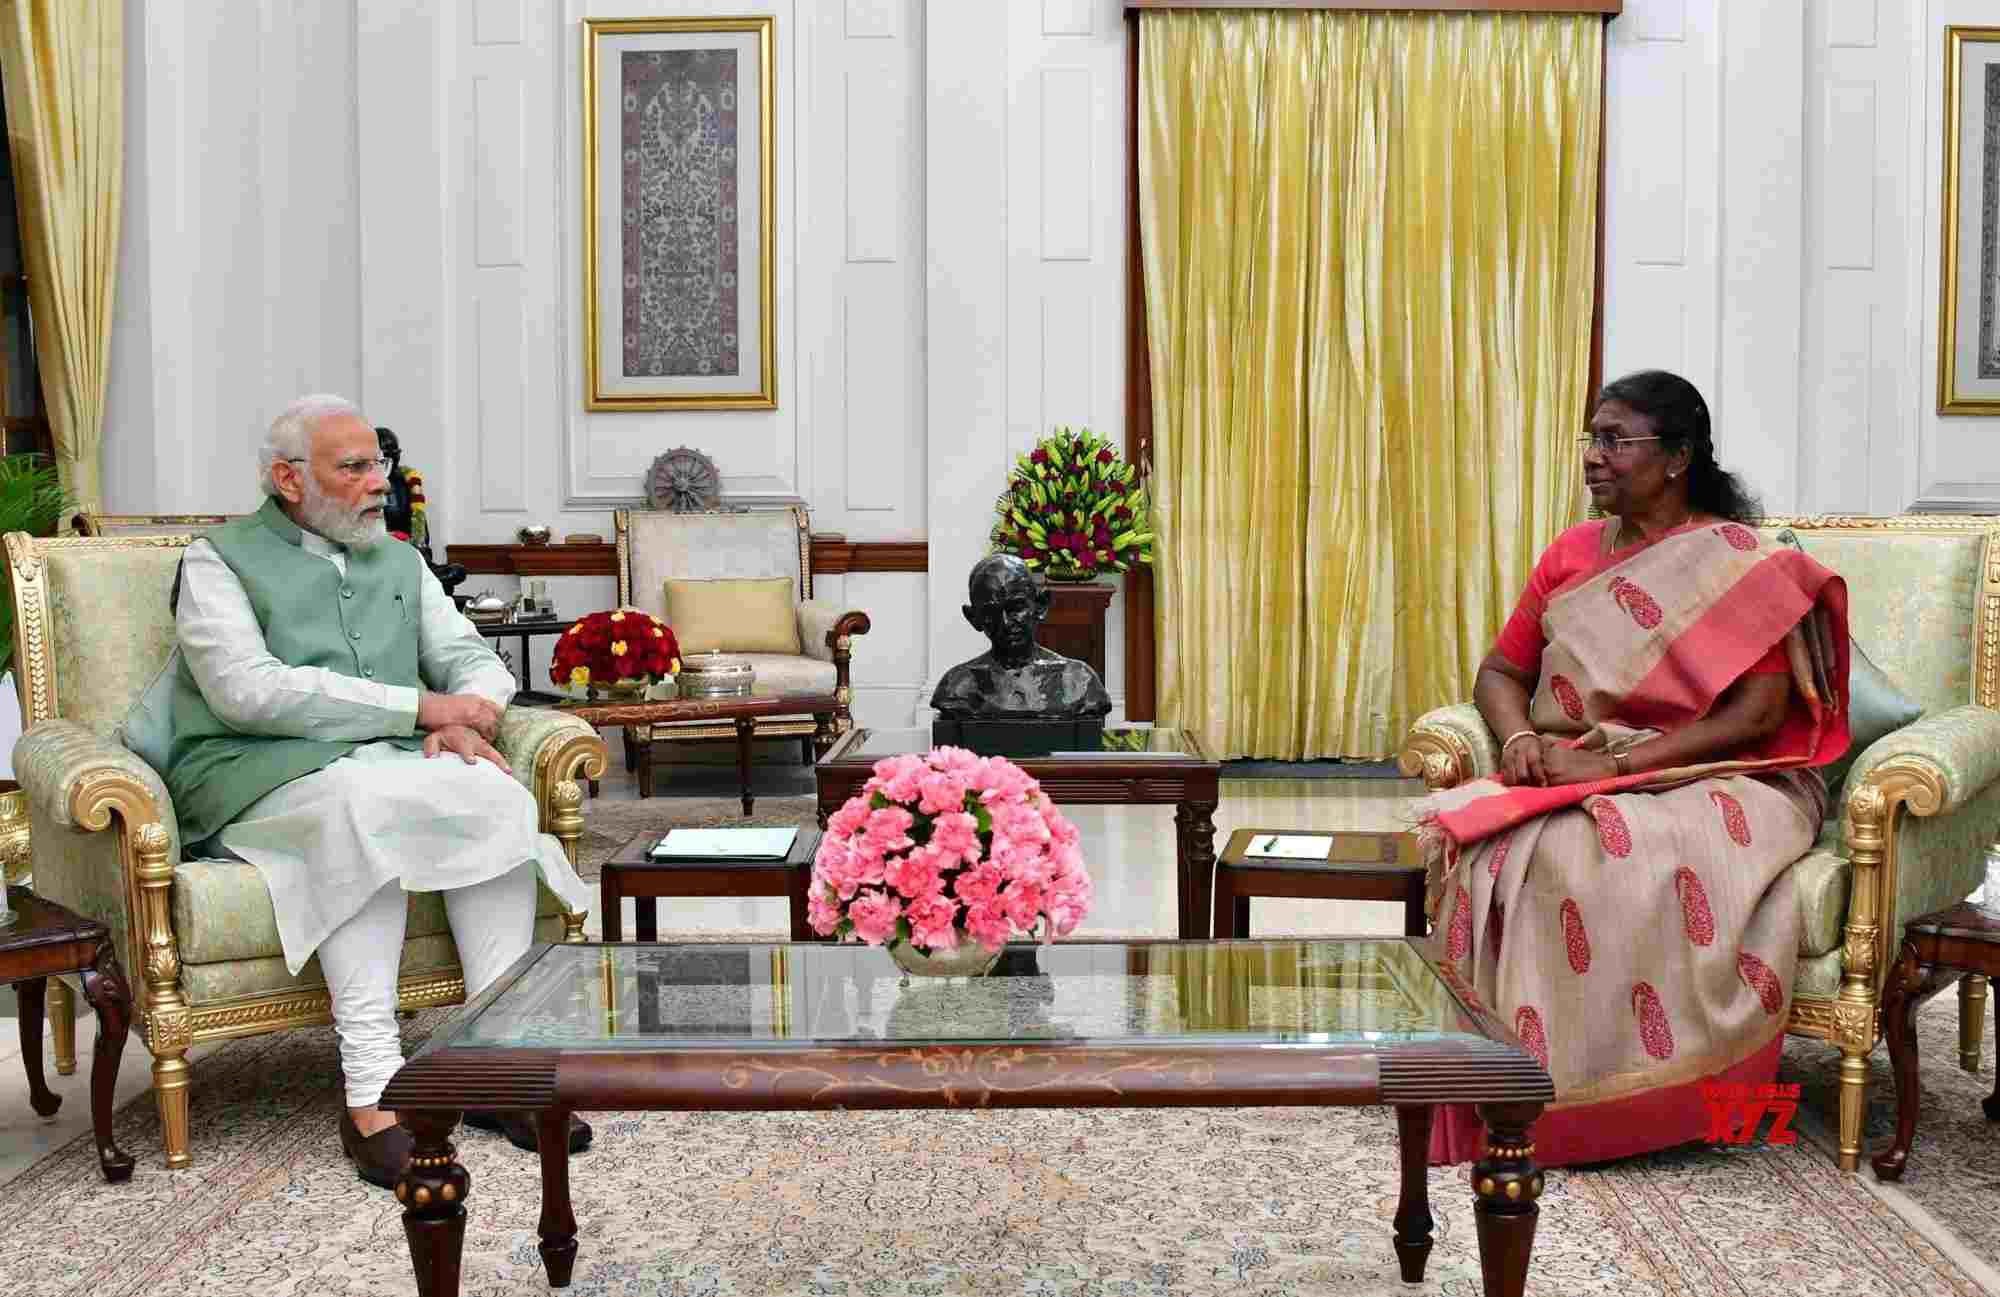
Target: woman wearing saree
1620	892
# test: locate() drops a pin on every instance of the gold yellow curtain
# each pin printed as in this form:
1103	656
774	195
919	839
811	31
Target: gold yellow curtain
62	65
1369	245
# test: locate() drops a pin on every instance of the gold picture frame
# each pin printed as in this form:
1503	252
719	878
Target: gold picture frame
1969	291
678	85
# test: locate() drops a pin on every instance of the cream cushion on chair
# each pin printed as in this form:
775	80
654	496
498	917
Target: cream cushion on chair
734	615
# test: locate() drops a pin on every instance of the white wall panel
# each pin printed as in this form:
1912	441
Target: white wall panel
1848	176
1657	20
496	22
1852	23
873	18
876	149
501	433
1068	360
1067	140
498	177
877	414
1067	18
1655	131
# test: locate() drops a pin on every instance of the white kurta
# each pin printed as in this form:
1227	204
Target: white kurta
326	842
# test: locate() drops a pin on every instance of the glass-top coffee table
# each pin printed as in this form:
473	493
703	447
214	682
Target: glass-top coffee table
1330	1022
1133	766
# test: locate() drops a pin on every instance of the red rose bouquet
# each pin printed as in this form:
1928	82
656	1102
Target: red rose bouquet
607	647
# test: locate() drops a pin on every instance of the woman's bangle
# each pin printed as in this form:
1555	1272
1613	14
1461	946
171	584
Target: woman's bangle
1621	762
1517	734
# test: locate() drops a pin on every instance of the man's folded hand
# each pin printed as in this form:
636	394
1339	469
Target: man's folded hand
440	711
466	743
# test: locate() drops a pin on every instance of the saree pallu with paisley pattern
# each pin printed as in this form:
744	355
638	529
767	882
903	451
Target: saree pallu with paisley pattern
1641	932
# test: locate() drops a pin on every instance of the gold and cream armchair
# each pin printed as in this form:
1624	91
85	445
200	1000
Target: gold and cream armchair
745	580
1906	831
198	937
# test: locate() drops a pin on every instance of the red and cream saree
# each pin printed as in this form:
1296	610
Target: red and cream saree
1641	932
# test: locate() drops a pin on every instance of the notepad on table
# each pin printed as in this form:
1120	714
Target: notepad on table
1291	846
725	844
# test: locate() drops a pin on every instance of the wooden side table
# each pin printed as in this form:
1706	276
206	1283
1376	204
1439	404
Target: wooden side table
44	940
631	872
1938	949
1357	867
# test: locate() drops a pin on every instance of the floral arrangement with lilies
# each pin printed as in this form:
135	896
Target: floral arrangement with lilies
607	647
1073	509
945	848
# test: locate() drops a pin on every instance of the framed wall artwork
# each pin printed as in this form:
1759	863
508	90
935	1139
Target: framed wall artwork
1969	294
677	207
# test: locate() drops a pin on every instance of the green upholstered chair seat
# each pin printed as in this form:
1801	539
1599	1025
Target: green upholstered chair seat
242	979
222	911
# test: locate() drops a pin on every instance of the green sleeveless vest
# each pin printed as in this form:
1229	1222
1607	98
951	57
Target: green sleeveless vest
364	625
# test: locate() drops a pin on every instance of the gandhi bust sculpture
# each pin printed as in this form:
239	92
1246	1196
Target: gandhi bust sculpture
1018	679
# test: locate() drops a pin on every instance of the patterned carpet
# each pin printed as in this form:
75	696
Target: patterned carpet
1192	1202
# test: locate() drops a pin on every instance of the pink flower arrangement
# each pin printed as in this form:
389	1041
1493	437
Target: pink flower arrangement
944	848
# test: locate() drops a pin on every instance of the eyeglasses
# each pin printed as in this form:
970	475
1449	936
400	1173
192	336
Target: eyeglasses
354	469
1607	443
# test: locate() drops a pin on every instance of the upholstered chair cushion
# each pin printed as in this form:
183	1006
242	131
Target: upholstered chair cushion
110	628
761	542
733	614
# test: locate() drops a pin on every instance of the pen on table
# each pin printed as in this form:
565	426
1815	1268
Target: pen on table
1270	845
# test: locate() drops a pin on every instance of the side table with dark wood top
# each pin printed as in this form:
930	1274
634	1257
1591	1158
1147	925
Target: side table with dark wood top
1135	766
1938	949
46	940
522	629
1356	867
1075	624
634	873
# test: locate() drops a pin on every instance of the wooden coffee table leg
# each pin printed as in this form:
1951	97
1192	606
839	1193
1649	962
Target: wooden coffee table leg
558	1226
30	995
433	1193
1200	868
1413	1207
646	918
745	728
1184	869
105	987
1505	1185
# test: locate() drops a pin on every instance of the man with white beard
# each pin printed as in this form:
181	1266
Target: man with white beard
328	719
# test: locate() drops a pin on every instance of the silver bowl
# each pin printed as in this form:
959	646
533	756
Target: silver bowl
534	534
714	675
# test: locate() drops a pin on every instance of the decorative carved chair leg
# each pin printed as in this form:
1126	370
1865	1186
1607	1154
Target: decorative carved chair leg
170	1084
433	1193
1413	1206
30	996
1505	1185
62	1024
1853	1104
1971	1020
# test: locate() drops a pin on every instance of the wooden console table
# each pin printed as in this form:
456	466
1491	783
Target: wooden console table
832	555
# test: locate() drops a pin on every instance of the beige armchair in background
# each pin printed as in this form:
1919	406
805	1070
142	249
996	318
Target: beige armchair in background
655	547
1907	829
198	937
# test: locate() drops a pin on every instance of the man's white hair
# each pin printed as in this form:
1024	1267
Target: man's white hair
290	434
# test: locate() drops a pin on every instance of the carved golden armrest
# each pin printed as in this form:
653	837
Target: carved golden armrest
1449	746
